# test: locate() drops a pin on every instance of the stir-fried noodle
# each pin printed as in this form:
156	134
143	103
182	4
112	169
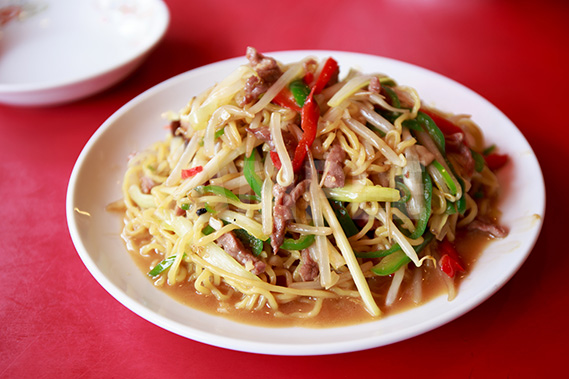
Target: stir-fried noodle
283	183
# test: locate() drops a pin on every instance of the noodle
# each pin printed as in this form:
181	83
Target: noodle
264	196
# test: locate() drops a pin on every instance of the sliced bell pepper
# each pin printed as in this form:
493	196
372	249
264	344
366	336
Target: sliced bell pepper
310	113
431	127
478	160
250	175
404	190
392	262
446	177
217	190
344	218
496	161
461	203
426	211
191	172
309	123
392	96
300	91
276	160
207	230
162	265
299	244
255	244
449	262
328	71
378	253
445	125
490	149
286	100
308	77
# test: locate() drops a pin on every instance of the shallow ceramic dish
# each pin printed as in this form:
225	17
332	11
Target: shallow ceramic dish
55	51
97	177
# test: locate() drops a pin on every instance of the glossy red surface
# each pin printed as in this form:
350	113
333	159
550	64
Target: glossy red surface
57	321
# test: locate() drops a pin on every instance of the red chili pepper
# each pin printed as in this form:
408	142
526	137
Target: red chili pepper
330	68
446	126
286	100
450	261
309	122
496	161
191	172
310	113
276	160
308	77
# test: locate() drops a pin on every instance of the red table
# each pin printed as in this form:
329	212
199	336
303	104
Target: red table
57	321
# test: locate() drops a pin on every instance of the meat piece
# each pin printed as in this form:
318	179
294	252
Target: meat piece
282	214
263	134
455	145
308	268
299	190
496	231
266	67
146	184
381	178
425	155
174	126
268	71
334	176
254	87
234	247
374	85
282	210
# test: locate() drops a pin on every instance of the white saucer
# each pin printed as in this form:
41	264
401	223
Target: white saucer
56	51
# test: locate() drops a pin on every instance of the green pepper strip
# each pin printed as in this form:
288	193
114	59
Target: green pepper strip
394	261
461	203
255	244
376	130
344	218
451	208
207	230
299	244
378	253
300	91
426	211
405	190
489	150
413	124
209	208
250	175
163	265
219	133
394	100
446	177
478	160
217	190
433	130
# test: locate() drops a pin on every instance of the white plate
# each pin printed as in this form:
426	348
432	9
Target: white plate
97	176
55	51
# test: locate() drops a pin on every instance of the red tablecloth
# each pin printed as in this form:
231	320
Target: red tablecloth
57	321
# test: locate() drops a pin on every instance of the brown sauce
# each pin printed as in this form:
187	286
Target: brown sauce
334	312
